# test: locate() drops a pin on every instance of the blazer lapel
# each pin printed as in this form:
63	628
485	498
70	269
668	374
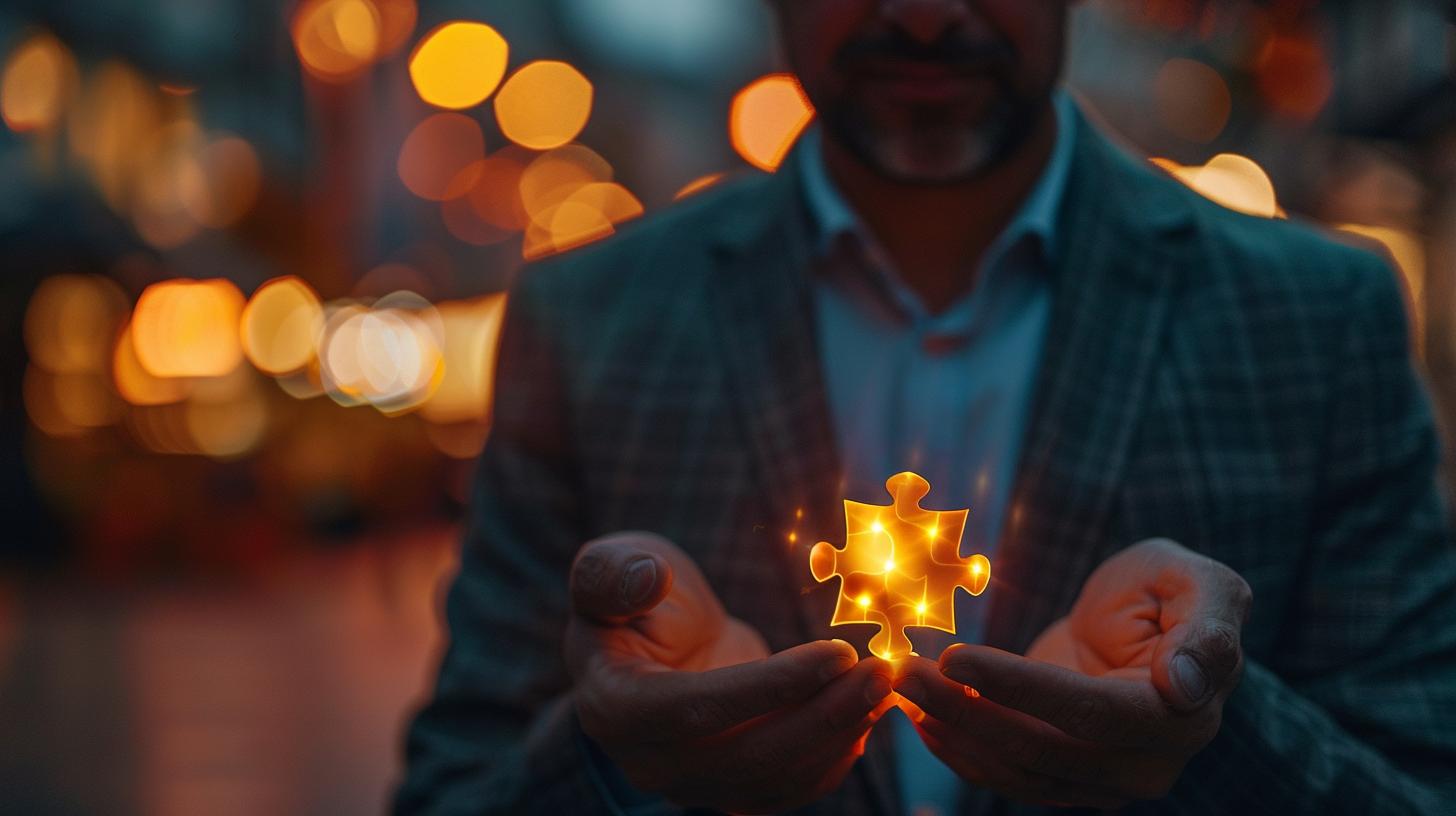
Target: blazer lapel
766	319
1124	235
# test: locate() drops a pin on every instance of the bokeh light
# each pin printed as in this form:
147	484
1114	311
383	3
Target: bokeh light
491	212
38	78
1294	76
697	185
461	440
71	321
162	429
397	19
1406	249
38	393
117	114
169	186
227	430
388	355
231	176
339	371
70	403
459	65
1233	181
337	40
440	159
464	222
767	118
188	328
544	105
496	196
388	278
281	324
591	213
1192	100
552	177
227	417
472	329
135	384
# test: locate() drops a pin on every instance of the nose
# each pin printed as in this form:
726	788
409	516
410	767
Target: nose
925	20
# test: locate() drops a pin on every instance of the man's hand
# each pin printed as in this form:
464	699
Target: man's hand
1111	702
689	703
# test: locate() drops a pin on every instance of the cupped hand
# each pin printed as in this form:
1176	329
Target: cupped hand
687	700
1111	702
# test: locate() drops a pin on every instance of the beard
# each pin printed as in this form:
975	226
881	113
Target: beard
921	138
934	145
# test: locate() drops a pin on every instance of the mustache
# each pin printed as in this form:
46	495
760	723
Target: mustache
951	52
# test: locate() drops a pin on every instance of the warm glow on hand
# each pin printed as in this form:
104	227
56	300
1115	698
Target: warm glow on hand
897	568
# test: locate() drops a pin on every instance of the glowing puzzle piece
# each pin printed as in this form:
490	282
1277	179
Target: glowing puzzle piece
900	566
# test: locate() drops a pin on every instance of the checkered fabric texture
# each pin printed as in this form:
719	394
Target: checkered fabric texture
1241	386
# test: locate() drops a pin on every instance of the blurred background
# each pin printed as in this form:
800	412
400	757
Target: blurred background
251	257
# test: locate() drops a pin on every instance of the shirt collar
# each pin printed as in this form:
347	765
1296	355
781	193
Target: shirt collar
832	218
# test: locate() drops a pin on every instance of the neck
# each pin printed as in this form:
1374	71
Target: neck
937	235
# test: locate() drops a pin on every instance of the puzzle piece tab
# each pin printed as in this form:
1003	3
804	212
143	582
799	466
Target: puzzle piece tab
900	566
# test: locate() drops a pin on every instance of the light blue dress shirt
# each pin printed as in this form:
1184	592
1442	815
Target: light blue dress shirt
946	395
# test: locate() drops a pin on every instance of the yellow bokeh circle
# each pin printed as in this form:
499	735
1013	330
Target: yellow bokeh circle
281	324
544	105
459	65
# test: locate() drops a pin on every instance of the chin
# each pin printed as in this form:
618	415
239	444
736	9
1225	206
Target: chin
925	159
930	150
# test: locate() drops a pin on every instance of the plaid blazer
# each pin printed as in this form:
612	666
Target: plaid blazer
1242	386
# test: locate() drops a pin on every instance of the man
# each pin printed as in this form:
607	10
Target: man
1156	409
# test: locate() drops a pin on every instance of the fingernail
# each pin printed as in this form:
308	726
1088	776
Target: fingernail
912	689
1190	678
638	580
877	689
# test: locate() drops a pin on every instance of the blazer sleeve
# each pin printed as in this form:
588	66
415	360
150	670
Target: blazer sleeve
1357	712
499	734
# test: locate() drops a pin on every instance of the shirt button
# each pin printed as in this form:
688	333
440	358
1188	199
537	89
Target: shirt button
939	345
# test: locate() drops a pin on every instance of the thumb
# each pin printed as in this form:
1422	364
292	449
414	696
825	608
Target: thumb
1201	655
1194	666
619	577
